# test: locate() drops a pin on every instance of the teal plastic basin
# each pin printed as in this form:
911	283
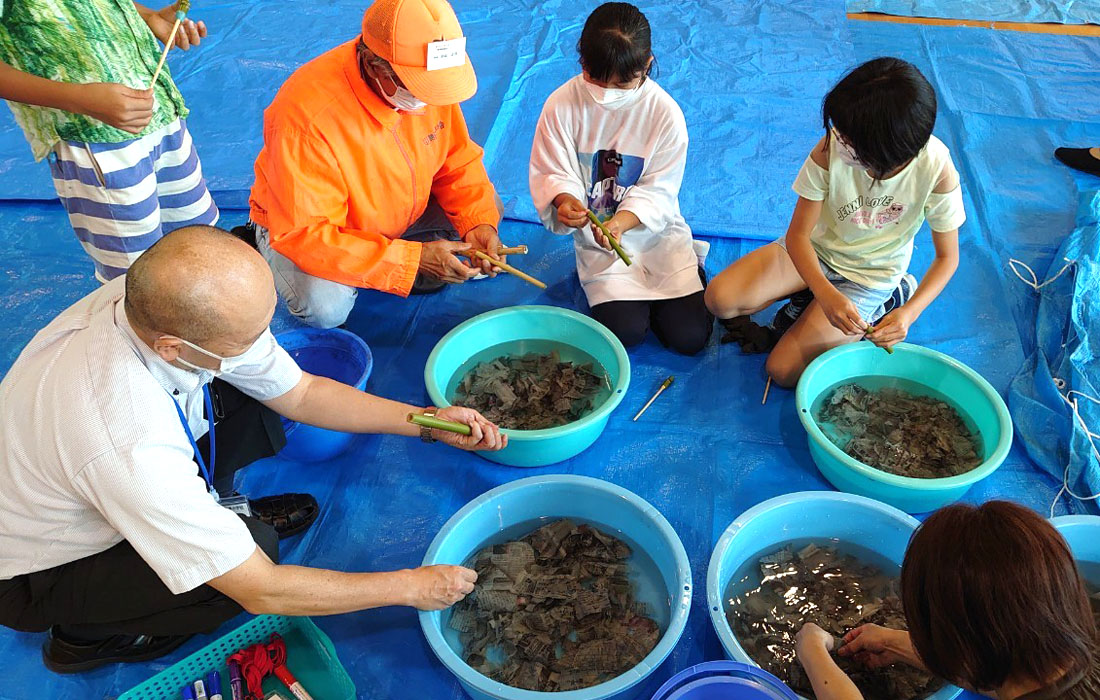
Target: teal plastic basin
551	497
533	448
818	515
977	401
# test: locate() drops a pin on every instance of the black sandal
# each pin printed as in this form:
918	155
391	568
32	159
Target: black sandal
1079	159
289	513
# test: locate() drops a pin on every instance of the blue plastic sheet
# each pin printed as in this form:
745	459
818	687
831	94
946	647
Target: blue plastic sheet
1061	11
707	450
1062	366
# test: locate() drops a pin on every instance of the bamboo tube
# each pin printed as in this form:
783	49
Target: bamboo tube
509	269
610	239
438	423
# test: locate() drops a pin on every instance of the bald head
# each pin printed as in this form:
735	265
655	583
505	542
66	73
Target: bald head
201	284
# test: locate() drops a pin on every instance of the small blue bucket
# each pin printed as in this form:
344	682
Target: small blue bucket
337	354
584	499
1082	533
970	393
724	680
515	326
816	515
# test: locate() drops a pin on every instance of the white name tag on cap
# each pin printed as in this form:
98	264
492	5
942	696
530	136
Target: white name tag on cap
449	53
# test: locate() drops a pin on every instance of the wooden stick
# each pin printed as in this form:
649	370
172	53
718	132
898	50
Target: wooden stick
509	269
610	239
164	55
513	250
438	423
767	388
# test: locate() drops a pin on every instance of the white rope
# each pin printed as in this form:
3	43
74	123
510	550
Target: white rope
1071	398
1034	281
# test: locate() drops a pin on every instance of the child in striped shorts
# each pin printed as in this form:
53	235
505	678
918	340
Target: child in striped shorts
75	74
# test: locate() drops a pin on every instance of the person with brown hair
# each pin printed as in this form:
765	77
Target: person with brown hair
994	602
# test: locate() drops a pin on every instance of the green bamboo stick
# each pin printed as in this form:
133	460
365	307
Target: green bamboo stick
438	423
870	332
611	239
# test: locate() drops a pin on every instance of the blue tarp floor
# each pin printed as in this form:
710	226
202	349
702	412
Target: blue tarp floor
750	77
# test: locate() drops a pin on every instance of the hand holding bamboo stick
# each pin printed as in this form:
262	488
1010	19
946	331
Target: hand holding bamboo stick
610	239
181	12
438	424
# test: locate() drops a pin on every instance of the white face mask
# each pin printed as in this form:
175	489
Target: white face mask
227	364
847	154
401	99
609	97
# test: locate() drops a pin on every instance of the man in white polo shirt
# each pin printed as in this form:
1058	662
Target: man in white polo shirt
114	533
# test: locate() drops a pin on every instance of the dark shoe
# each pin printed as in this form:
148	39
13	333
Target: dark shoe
62	655
1079	159
789	313
246	232
289	513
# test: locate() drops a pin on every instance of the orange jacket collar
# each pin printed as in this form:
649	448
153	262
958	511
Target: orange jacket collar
377	107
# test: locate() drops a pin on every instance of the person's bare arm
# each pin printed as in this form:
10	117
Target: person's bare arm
264	588
894	327
111	103
330	404
813	646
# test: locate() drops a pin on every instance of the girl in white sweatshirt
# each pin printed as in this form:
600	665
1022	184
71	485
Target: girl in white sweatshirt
863	194
611	140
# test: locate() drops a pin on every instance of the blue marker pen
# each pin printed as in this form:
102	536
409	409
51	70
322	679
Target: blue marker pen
214	685
188	693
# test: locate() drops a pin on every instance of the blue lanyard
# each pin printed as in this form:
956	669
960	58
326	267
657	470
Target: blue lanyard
207	472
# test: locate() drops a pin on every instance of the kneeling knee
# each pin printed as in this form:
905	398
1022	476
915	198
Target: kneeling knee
784	370
691	341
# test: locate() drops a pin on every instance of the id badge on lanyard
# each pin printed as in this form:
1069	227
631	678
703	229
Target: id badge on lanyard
238	504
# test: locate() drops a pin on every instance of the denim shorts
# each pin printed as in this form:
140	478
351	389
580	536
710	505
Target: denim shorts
869	302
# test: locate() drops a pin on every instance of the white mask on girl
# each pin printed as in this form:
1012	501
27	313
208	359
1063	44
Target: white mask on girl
847	154
609	97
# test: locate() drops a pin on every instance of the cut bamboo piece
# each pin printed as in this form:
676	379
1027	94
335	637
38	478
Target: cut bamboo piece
509	269
438	424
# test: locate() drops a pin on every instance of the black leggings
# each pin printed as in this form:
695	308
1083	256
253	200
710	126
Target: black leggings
683	324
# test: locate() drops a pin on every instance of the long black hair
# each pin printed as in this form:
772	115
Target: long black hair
885	109
615	43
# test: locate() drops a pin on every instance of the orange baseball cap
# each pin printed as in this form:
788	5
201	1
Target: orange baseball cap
423	42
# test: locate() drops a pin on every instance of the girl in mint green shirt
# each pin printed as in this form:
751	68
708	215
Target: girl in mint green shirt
865	190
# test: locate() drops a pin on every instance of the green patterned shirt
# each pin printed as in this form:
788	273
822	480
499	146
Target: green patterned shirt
82	41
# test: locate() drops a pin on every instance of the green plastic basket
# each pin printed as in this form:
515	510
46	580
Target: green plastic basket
310	657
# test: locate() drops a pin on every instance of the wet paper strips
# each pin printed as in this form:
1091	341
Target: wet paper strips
899	432
530	392
554	611
838	593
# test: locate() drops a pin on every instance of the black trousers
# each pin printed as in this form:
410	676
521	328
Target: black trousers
115	591
682	324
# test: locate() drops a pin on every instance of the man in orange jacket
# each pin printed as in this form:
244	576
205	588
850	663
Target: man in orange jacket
366	154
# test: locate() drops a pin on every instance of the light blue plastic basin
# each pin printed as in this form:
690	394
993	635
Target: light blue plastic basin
534	448
1082	532
968	391
818	515
724	680
337	354
551	497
